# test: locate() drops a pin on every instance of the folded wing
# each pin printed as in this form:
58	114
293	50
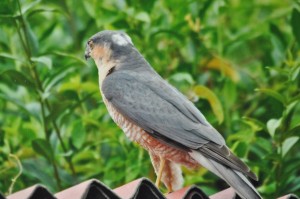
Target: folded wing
163	112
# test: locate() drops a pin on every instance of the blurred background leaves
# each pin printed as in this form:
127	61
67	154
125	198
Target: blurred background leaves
238	61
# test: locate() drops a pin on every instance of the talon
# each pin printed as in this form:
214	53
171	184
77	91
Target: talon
159	175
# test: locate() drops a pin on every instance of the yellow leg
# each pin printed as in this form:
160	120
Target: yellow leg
161	167
169	189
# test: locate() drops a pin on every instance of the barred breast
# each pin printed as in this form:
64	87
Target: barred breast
151	144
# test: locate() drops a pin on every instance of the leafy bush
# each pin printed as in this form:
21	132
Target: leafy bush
237	60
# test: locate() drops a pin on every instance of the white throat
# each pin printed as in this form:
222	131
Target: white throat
103	69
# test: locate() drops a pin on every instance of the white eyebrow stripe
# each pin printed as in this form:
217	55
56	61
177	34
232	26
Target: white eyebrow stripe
128	38
121	40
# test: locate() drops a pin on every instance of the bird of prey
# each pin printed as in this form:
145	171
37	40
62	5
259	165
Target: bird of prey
158	117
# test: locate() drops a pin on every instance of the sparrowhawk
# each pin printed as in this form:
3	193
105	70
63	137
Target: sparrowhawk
157	116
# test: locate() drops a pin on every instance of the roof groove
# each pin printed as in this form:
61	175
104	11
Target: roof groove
141	188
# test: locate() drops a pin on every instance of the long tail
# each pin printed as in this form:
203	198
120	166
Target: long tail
234	178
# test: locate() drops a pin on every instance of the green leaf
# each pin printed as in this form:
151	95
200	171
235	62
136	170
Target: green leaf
43	148
272	125
143	16
56	77
277	50
290	107
2	137
288	144
295	73
17	77
178	77
263	148
255	125
89	6
268	188
10	56
276	31
47	32
44	60
243	135
32	38
189	50
7	8
295	21
39	10
26	8
21	106
206	93
295	130
240	148
39	170
107	16
78	134
229	92
72	56
273	94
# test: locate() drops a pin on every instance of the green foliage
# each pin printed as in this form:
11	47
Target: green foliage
237	60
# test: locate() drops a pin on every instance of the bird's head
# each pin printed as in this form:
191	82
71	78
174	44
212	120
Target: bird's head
108	45
114	51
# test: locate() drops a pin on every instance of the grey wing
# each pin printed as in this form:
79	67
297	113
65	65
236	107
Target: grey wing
167	115
140	104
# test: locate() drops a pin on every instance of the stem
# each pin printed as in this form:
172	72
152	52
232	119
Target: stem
13	181
71	21
56	175
58	133
279	170
27	46
44	119
44	102
32	67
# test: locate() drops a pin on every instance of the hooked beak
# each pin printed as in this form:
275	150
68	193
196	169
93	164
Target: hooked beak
86	56
87	53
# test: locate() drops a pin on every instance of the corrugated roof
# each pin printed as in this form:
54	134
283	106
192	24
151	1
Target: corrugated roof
138	189
33	192
1	196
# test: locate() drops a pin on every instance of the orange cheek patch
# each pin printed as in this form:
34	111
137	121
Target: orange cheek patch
101	52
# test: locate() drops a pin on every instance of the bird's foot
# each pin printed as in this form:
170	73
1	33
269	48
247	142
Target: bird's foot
161	168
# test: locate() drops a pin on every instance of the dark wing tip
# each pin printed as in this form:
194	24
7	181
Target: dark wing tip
243	166
230	159
252	175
